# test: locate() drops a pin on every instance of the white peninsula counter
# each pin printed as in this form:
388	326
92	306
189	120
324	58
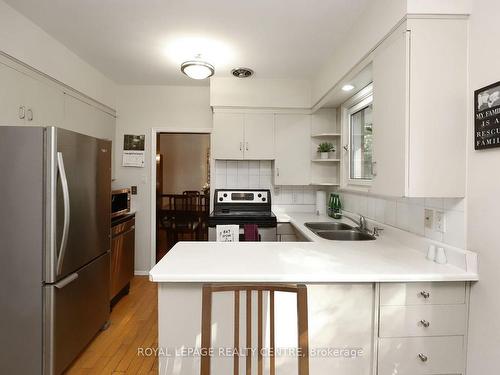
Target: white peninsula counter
381	299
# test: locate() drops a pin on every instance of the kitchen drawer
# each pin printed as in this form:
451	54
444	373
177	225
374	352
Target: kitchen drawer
433	293
441	355
410	321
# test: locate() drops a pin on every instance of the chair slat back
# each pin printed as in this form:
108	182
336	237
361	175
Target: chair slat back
302	319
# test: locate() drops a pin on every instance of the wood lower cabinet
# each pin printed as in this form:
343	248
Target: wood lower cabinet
122	256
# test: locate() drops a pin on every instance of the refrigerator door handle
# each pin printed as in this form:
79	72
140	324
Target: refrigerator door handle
65	191
67	280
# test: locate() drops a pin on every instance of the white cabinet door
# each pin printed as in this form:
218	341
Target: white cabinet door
228	136
259	136
438	108
46	104
390	125
341	317
12	96
293	153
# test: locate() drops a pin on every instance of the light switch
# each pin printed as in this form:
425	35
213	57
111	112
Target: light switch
428	218
133	190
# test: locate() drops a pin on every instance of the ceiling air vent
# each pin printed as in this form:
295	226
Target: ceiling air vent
242	72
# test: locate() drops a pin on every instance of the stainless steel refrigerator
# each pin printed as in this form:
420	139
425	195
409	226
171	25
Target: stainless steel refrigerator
55	189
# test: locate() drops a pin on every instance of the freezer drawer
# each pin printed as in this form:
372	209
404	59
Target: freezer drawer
75	310
122	255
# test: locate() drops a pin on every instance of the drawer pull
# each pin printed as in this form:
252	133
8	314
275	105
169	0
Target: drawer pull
425	323
425	294
422	357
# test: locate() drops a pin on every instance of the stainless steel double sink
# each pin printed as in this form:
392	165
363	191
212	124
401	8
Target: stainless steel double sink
339	232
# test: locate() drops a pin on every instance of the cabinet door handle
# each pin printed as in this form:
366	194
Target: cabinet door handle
425	294
241	146
346	147
423	357
246	146
425	323
29	115
22	112
277	172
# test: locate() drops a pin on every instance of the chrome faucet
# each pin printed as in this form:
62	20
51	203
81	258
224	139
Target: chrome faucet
361	223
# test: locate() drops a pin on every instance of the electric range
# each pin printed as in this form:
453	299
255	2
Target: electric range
243	206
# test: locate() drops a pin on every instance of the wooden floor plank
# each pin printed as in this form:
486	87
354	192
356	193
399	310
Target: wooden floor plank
133	324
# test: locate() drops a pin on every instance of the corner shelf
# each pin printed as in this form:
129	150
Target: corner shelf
320	135
324	160
324	184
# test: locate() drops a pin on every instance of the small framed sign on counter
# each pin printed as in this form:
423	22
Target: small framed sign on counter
487	117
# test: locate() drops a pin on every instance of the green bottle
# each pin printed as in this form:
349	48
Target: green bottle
335	206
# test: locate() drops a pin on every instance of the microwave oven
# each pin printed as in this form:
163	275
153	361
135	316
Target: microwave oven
120	202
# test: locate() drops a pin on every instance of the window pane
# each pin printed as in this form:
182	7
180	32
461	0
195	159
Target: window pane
361	144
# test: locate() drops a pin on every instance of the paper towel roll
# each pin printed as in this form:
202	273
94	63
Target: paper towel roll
321	202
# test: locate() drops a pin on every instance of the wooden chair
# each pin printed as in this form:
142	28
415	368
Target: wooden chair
206	323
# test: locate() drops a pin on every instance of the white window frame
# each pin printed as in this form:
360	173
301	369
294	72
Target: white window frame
358	101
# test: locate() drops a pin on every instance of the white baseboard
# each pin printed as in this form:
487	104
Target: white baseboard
141	273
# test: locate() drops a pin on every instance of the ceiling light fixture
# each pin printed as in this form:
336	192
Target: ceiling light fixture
347	87
197	69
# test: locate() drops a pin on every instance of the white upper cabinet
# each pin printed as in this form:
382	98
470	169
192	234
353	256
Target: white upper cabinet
27	101
259	136
228	135
293	149
419	110
241	136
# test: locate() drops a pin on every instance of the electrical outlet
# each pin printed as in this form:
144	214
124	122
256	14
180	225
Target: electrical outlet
440	221
133	190
428	218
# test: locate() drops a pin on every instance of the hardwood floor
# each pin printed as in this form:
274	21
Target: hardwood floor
133	324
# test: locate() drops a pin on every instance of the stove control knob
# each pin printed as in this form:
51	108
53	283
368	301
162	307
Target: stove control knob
259	195
221	199
225	195
263	199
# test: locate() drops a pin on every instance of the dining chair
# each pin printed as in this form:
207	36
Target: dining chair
206	325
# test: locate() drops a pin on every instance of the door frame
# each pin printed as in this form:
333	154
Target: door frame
152	159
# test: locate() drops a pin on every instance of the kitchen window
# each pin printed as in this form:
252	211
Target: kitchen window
358	138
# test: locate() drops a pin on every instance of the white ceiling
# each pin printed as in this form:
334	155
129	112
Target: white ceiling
144	41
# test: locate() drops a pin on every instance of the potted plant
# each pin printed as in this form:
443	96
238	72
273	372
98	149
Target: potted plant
325	148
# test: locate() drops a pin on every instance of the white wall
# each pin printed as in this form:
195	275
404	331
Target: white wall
483	208
141	108
375	22
260	93
22	39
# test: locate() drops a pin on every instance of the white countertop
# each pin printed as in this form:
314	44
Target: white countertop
386	259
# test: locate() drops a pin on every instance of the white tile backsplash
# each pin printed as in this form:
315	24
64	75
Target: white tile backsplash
408	214
242	174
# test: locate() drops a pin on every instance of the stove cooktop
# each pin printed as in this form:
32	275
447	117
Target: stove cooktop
242	206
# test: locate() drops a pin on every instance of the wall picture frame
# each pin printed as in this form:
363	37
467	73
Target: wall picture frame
487	117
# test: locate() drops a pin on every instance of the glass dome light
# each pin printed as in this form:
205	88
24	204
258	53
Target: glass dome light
197	69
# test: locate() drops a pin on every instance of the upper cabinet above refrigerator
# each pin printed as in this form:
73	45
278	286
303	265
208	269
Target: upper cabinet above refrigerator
419	110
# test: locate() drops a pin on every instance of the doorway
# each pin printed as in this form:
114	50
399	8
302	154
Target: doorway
182	189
